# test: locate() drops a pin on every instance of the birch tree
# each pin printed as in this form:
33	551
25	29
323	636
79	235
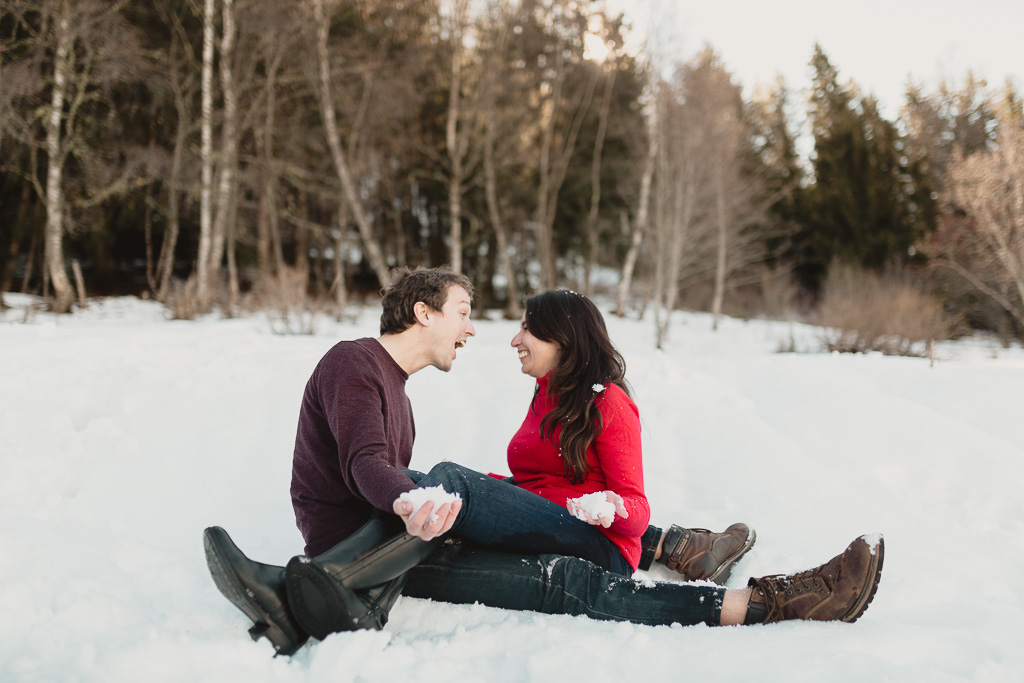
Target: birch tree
224	218
491	80
56	153
637	228
206	233
64	118
328	113
592	232
460	127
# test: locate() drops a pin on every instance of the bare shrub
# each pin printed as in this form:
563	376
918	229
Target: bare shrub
780	295
863	312
182	300
286	300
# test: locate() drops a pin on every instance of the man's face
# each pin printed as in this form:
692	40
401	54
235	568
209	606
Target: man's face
450	329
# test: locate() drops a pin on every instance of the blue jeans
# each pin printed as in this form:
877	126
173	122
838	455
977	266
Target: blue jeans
497	514
464	574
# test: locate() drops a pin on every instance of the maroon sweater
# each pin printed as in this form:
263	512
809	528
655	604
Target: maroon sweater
354	439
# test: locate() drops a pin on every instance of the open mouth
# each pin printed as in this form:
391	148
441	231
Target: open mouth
523	354
460	343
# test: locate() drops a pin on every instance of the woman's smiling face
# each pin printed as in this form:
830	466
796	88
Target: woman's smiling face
538	357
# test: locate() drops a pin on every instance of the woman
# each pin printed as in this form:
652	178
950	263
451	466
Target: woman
581	435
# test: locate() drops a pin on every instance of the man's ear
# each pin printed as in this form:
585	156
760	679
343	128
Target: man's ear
422	313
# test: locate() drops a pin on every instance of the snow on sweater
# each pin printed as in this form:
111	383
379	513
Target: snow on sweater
615	460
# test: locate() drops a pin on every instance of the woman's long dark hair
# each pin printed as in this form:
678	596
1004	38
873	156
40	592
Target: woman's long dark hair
588	359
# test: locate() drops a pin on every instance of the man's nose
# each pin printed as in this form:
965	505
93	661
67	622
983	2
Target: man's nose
470	330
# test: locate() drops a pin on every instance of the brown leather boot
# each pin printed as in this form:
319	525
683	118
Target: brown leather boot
839	590
702	555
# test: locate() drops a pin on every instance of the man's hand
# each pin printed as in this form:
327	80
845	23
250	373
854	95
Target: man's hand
420	526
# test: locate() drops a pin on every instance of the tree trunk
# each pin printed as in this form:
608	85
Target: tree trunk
721	221
455	137
165	263
30	264
206	155
554	164
224	217
53	245
327	111
338	285
269	249
639	226
595	181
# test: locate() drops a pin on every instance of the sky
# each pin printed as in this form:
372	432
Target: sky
877	43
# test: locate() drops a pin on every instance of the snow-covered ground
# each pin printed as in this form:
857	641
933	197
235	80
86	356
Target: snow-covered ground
123	435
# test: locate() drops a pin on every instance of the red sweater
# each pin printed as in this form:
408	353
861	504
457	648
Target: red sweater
615	460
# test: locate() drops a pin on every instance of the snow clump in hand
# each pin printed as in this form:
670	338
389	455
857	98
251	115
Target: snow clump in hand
592	506
436	494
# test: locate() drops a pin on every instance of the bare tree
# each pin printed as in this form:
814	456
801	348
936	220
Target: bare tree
56	153
566	90
989	186
179	63
681	239
224	219
327	112
638	227
603	112
489	86
206	232
458	128
73	55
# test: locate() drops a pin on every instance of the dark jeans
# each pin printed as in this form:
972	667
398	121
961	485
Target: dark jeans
513	549
497	514
463	573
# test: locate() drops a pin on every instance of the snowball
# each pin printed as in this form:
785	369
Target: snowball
592	505
598	388
436	494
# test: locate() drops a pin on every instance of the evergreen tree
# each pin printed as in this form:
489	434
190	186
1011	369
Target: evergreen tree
868	203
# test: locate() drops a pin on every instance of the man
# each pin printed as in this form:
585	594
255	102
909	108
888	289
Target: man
353	448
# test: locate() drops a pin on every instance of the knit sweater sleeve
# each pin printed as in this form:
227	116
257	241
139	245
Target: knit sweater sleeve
620	456
357	410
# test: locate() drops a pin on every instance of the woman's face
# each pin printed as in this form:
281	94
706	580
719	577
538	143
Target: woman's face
538	357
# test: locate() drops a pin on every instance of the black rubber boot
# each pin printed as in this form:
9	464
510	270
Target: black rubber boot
328	606
327	593
255	588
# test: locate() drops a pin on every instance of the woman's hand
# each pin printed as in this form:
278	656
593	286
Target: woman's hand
598	518
423	524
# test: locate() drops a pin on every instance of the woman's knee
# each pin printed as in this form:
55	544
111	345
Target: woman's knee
448	474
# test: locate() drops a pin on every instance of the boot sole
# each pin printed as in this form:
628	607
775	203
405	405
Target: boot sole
875	575
231	587
319	603
724	570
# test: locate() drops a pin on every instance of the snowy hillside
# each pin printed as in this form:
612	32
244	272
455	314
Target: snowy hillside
123	435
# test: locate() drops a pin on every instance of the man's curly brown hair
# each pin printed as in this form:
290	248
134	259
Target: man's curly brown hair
429	285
